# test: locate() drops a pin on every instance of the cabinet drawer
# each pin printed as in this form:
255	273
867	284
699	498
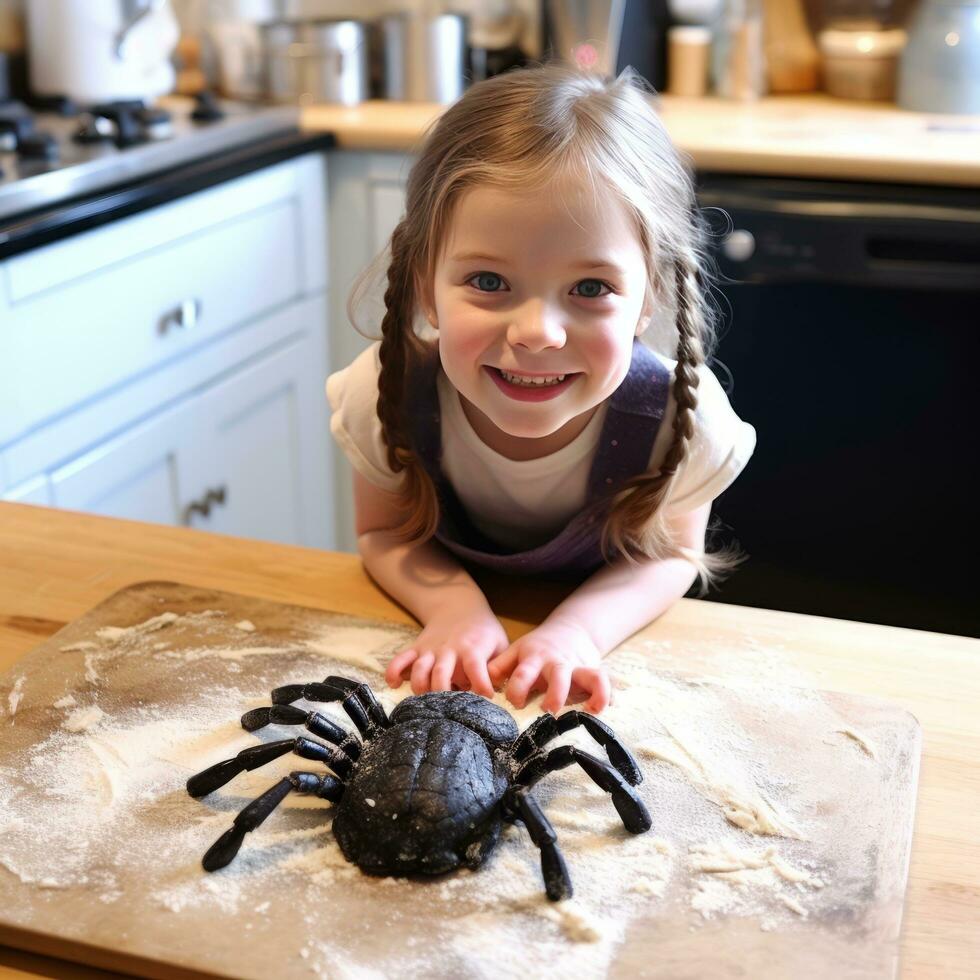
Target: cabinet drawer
69	344
245	456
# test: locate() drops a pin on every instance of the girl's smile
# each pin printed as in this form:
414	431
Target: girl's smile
531	387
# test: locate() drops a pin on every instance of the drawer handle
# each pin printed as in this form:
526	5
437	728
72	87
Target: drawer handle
203	506
183	317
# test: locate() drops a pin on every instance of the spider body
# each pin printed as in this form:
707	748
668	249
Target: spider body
429	788
426	795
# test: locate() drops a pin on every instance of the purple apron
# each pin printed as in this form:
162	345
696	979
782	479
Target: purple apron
636	410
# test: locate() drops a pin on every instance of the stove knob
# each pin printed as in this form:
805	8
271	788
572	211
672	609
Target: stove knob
16	121
129	130
207	108
157	123
93	129
38	146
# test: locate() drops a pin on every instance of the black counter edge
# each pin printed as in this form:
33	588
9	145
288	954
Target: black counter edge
41	227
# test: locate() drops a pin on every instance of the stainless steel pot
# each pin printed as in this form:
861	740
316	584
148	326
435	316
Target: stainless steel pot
337	66
317	62
283	64
424	57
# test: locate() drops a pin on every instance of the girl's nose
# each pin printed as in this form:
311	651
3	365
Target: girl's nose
537	327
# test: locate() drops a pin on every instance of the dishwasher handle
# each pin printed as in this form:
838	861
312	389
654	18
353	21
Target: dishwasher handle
768	231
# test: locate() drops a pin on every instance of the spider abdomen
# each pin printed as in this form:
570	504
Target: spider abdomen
424	799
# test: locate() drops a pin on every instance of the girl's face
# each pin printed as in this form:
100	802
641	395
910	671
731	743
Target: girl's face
537	298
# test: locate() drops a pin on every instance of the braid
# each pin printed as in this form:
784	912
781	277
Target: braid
690	356
631	528
399	350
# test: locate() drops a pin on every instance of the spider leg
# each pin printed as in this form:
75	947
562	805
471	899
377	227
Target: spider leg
542	730
636	818
357	700
520	804
258	755
284	714
367	698
224	849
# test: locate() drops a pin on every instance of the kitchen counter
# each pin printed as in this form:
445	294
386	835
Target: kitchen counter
22	231
57	565
812	136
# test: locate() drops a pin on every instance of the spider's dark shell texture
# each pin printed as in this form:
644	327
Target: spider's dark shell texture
425	795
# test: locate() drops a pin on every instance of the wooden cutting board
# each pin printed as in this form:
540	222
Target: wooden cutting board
100	845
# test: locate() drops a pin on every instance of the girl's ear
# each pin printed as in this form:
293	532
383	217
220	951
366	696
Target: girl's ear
426	301
651	302
646	315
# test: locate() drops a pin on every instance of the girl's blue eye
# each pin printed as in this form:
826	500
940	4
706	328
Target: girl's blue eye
490	282
483	278
593	285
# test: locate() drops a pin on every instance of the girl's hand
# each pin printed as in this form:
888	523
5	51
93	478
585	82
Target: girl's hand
557	656
452	649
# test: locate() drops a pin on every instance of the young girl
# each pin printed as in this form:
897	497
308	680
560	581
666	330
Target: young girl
524	427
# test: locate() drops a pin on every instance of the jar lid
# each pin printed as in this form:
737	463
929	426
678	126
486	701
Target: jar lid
690	34
862	44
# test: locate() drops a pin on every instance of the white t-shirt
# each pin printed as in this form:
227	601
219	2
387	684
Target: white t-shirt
522	503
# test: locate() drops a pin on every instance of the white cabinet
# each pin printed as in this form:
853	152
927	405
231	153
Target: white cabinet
230	459
138	475
169	367
259	456
33	491
367	200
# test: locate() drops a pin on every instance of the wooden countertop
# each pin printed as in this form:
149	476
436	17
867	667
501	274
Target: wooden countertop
57	565
801	136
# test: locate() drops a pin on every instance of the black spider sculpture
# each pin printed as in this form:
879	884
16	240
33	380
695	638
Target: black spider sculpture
428	788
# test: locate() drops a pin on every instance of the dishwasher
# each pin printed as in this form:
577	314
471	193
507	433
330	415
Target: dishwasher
850	338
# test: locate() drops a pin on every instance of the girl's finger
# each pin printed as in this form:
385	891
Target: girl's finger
500	666
559	681
393	674
420	672
460	681
521	680
476	670
442	672
595	680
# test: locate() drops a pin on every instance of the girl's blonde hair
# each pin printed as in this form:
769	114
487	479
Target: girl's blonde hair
519	131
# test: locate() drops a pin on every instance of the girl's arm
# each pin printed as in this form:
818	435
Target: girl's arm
568	647
460	633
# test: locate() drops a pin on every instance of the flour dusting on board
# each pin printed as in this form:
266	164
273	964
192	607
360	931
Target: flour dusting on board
742	827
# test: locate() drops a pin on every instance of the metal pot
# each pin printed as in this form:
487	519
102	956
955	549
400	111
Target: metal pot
337	63
939	69
424	57
318	62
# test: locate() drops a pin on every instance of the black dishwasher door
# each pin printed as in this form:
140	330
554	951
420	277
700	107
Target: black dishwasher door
851	341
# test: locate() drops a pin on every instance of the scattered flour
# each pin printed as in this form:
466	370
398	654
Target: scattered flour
113	634
83	719
109	783
91	674
16	695
80	647
358	647
743	806
224	653
744	882
865	743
